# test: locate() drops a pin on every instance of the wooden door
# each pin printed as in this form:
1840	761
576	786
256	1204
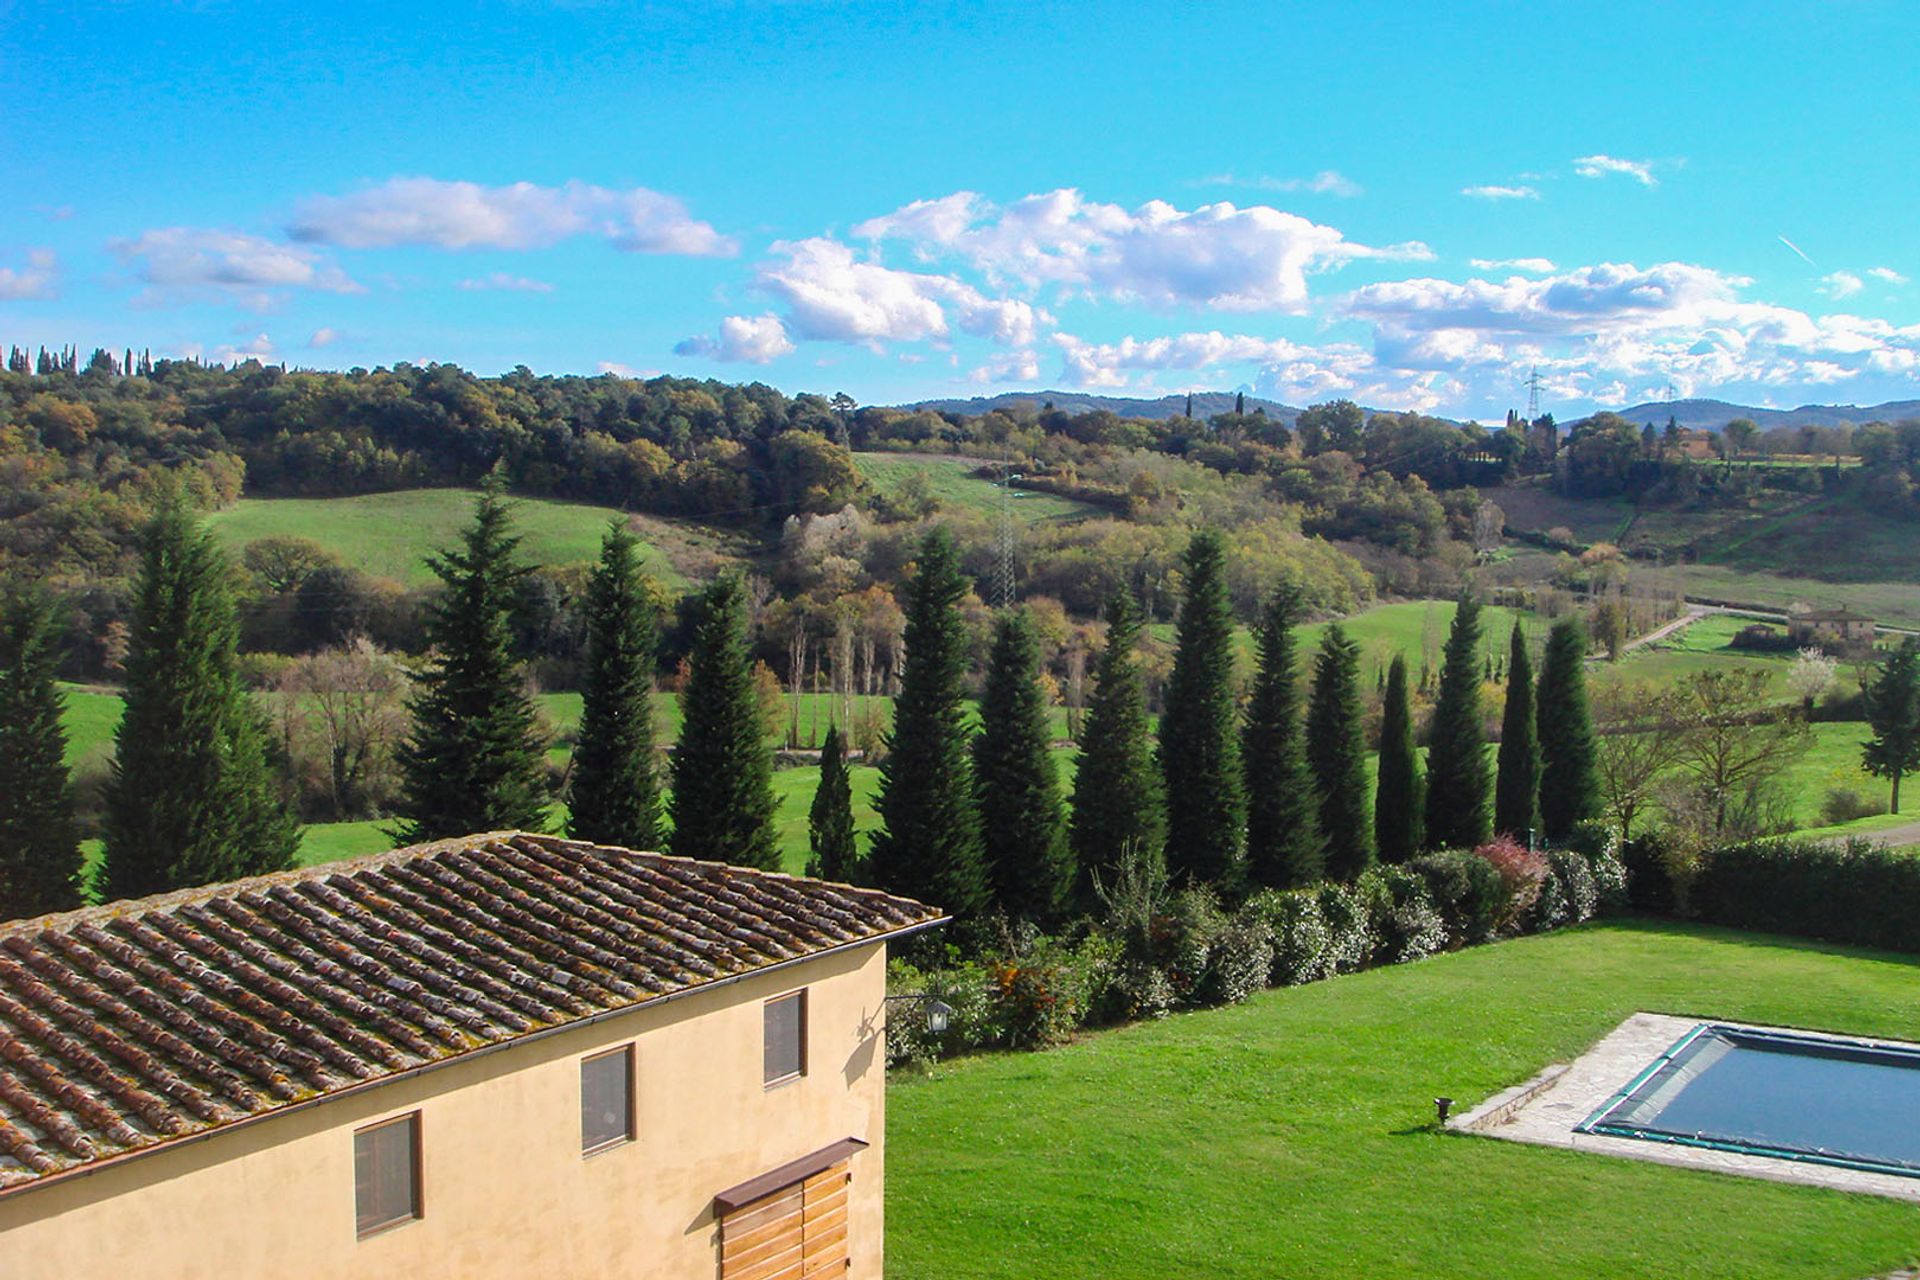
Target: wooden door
796	1233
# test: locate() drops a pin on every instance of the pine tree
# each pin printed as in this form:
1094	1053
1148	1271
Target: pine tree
39	846
1396	798
722	801
615	793
475	760
1285	849
1118	807
193	798
1893	713
929	846
1337	750
1030	871
1569	754
830	819
1516	791
1459	785
1199	741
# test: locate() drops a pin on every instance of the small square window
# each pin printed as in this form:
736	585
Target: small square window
386	1174
786	1038
606	1099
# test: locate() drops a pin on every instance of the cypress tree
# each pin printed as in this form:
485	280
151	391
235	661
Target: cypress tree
1893	713
1459	784
722	801
830	819
1118	806
1285	849
1030	871
475	760
192	799
1199	742
1569	755
1516	791
39	847
1337	749
1396	797
929	845
615	794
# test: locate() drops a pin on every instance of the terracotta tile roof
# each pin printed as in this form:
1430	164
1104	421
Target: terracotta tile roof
132	1024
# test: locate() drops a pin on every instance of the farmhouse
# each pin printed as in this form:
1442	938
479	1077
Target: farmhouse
1836	629
505	1055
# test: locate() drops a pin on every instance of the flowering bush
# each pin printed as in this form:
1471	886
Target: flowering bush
1301	942
1401	915
1523	874
1349	939
1467	891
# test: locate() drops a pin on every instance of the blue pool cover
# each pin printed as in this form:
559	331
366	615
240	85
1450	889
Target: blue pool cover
1777	1093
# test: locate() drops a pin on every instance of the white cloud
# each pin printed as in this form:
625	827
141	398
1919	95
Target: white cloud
626	370
1887	274
259	347
35	280
748	339
1841	284
835	296
1328	182
505	282
466	215
1599	166
323	338
1007	366
1218	255
1539	266
1491	192
178	262
1113	364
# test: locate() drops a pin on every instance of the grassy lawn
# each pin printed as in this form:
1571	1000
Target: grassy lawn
390	534
1288	1137
951	482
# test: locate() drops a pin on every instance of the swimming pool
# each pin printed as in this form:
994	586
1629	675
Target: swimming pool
1823	1099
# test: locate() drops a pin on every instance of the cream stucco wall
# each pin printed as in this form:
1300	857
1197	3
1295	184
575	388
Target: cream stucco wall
506	1191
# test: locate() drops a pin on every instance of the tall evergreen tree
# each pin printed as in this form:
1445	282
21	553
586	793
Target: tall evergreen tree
1285	848
835	856
1396	797
1030	870
39	847
475	760
615	793
1516	790
722	801
929	845
1118	806
1337	750
1199	741
1459	784
1893	713
1569	754
193	798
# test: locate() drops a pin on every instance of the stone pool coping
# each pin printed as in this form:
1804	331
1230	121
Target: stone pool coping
1545	1109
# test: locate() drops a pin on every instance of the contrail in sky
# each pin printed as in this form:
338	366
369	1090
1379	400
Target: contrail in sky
1797	249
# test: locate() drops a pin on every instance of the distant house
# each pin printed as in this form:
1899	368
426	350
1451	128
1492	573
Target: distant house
507	1055
1696	445
1837	629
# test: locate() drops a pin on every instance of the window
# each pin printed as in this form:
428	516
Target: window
606	1100
386	1174
786	1038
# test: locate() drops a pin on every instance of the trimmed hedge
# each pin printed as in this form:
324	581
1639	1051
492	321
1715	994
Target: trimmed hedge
1853	893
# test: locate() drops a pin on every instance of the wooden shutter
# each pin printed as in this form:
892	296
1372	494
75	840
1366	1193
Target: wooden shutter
796	1233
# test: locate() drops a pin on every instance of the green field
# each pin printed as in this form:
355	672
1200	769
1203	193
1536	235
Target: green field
951	482
389	535
1290	1136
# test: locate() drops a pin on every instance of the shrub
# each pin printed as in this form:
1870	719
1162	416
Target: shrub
975	1022
1467	891
1241	957
1047	991
1186	937
1523	873
1302	948
1401	915
1649	885
1852	892
1844	804
1548	910
1349	942
1574	879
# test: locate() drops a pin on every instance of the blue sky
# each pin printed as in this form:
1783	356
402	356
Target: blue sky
1407	205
